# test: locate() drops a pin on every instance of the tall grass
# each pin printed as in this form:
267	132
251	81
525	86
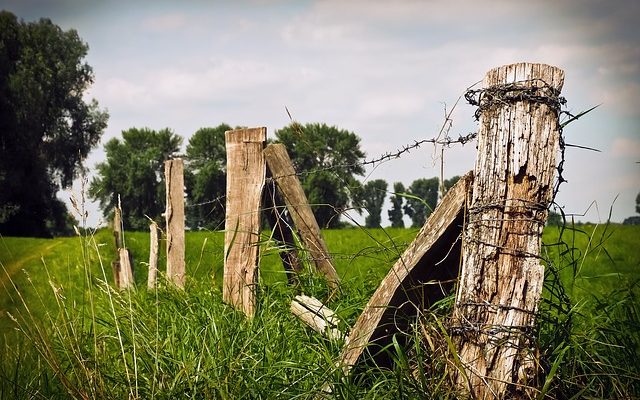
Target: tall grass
589	331
71	335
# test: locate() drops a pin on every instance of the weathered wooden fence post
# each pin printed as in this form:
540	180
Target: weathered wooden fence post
501	276
125	273
153	255
174	176
246	171
117	227
289	186
121	266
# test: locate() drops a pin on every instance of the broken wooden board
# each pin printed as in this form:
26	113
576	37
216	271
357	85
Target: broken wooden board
425	273
317	316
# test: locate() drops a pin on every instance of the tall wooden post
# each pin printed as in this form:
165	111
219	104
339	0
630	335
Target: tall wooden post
174	214
246	170
153	255
501	277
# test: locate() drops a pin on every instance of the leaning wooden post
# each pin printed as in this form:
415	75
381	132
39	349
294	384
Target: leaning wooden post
174	177
246	170
288	184
153	255
282	232
501	276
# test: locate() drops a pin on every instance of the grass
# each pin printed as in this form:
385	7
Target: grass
67	334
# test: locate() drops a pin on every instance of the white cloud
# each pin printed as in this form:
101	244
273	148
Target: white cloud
165	22
390	105
626	147
120	91
622	98
219	81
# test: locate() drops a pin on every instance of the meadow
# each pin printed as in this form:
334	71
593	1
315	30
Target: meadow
65	333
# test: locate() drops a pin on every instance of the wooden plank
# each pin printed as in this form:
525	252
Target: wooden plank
174	214
316	315
246	170
305	222
501	277
424	274
154	243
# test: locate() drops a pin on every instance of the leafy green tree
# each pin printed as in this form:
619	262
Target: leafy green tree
327	158
554	219
134	170
448	183
396	213
638	203
421	199
46	126
373	195
205	177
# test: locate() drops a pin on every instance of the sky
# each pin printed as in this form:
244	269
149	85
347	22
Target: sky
388	71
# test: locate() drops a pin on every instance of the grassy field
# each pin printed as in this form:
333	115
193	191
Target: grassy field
64	333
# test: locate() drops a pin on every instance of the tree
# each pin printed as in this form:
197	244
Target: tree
134	170
46	127
421	200
205	178
448	183
327	158
638	203
373	195
395	213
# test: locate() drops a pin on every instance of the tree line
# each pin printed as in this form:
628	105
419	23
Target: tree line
327	158
48	127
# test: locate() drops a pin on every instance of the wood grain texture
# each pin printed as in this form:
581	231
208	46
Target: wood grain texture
317	316
117	227
424	274
501	276
125	273
305	222
246	169
174	214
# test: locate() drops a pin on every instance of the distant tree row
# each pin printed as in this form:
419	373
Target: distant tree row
417	201
47	129
132	174
327	158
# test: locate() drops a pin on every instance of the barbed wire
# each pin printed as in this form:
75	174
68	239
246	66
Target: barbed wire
531	90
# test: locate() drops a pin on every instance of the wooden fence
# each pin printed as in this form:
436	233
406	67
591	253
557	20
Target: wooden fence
484	234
